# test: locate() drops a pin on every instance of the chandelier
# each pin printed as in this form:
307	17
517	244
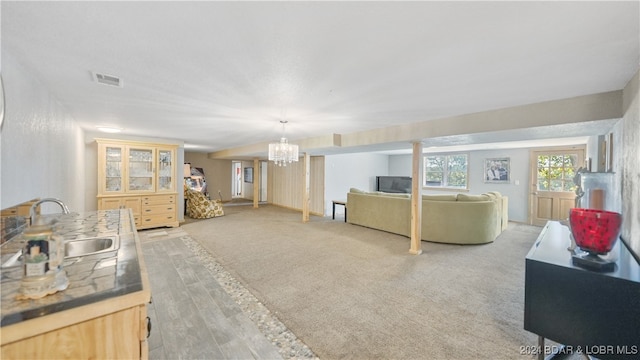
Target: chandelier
282	152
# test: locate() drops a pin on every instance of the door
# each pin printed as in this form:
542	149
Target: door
111	169
165	170
236	180
141	169
552	187
111	204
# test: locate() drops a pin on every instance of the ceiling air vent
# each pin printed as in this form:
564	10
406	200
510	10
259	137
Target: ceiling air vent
107	79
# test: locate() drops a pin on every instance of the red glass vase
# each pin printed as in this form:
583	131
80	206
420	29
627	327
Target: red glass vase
595	231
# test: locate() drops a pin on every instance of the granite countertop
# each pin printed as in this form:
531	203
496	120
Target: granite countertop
92	278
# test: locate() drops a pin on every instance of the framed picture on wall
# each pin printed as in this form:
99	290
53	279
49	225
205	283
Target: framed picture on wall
248	175
497	170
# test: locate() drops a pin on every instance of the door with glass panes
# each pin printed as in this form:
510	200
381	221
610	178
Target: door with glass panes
552	183
164	167
141	176
111	176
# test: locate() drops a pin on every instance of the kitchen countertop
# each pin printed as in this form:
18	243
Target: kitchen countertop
92	278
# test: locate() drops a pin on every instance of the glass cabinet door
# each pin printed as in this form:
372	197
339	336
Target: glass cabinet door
113	169
165	170
141	171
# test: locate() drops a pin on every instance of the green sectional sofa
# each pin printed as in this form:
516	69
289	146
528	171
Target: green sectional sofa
452	218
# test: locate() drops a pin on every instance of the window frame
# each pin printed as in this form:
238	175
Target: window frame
445	171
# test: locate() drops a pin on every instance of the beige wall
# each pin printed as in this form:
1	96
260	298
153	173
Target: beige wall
631	165
216	172
285	185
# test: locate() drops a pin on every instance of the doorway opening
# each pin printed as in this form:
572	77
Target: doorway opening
236	179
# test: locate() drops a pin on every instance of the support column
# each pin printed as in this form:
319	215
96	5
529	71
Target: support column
306	196
417	165
256	182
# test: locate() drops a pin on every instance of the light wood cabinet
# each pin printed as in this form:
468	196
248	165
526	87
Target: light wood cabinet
157	210
140	176
126	202
119	335
87	320
20	209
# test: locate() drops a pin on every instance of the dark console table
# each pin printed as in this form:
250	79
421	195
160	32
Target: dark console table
596	313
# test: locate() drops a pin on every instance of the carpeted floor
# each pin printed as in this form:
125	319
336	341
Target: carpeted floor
356	293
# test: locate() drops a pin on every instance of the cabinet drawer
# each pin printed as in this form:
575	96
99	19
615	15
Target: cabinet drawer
158	209
20	210
158	200
127	202
158	219
10	211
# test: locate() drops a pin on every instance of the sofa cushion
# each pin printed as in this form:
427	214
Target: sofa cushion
465	197
442	197
494	193
357	191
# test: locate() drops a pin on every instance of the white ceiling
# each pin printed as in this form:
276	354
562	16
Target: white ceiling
218	75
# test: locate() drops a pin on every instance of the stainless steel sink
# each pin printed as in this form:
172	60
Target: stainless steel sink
90	246
12	260
72	249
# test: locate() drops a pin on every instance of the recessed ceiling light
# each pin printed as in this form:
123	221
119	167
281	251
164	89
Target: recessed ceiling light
109	129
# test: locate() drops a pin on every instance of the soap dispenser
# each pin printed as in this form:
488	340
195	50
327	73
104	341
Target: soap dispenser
42	259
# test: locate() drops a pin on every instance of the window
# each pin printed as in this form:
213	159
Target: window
447	171
556	172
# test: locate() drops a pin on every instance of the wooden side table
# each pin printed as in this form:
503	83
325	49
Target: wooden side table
339	202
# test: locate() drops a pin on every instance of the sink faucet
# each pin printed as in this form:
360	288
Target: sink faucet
32	211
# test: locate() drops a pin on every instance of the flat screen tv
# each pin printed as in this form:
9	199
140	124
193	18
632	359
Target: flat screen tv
393	184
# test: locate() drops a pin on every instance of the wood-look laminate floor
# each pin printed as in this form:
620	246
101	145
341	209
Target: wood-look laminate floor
191	314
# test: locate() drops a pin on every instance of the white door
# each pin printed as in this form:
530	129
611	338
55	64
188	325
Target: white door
552	187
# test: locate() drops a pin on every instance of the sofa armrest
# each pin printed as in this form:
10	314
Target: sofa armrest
459	222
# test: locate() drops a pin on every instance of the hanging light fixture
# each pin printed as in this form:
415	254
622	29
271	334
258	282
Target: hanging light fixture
282	152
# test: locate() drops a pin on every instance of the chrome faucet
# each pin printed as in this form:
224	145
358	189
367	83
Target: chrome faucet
32	211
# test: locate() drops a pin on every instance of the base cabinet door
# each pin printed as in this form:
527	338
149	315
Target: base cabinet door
125	202
120	335
111	204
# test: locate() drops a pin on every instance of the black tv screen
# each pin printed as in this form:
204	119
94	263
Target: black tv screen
393	184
